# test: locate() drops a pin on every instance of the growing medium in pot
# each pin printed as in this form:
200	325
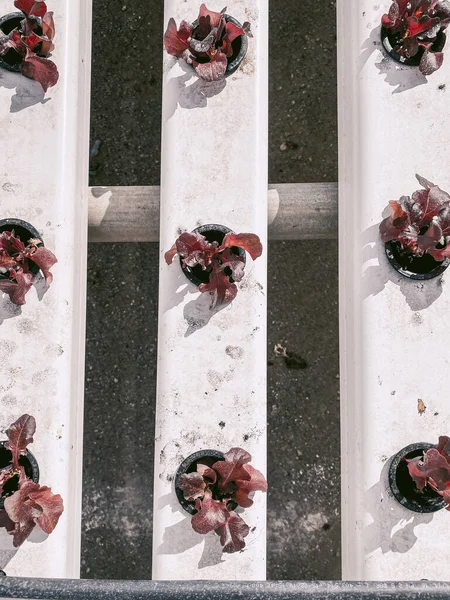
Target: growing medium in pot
414	32
217	489
214	45
417	232
26	42
20	260
28	504
221	263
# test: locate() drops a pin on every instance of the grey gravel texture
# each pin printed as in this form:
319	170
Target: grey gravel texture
303	403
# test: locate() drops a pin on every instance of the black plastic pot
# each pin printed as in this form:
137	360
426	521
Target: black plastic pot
389	41
213	233
24	231
205	457
414	267
12	59
239	45
27	461
403	486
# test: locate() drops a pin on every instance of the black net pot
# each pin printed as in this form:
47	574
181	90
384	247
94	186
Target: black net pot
27	461
189	465
12	59
213	233
390	40
239	46
403	486
414	267
24	231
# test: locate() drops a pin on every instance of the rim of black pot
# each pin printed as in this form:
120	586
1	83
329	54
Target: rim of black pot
414	267
188	466
414	61
213	233
21	229
30	464
402	484
239	45
12	59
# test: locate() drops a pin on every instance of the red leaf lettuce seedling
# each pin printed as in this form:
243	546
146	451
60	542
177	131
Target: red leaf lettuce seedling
216	491
32	504
421	224
33	42
15	260
414	25
433	469
219	261
208	45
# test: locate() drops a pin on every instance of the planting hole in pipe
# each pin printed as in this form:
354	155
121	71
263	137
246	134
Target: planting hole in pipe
411	266
29	464
404	487
11	59
189	465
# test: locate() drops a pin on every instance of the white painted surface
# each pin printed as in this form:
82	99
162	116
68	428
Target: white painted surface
393	331
214	170
43	180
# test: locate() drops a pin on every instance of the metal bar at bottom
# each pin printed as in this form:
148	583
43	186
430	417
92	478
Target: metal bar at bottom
297	211
95	589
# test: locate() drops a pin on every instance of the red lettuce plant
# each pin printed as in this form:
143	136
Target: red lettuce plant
217	491
220	262
15	259
413	28
421	224
433	469
32	504
208	45
32	40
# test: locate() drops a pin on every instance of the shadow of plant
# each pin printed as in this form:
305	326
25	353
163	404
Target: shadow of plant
28	92
392	529
196	95
399	76
418	294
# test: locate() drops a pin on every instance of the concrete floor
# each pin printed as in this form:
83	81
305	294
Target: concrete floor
303	405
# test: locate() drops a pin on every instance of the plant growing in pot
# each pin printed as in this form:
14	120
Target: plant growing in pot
417	232
214	45
213	257
413	32
24	503
26	42
22	256
419	476
211	485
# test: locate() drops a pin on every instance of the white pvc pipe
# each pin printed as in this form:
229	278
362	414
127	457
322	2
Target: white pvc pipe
393	123
43	180
211	365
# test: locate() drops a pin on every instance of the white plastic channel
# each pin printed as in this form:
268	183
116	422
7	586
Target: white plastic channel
393	124
212	365
43	180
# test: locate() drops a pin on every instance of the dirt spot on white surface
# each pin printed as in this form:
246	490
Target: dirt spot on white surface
421	408
7	349
234	352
